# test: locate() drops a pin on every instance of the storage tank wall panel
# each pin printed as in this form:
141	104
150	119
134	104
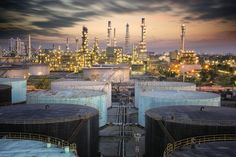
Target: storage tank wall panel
143	86
72	84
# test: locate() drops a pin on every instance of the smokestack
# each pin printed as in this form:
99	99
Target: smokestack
109	34
114	38
67	45
76	44
127	39
182	46
29	47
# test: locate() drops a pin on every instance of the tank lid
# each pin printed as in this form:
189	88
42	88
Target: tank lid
44	113
199	115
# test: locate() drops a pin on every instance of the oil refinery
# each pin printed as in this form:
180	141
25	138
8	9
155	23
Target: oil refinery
119	101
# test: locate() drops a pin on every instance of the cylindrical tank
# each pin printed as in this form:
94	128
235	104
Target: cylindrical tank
107	73
18	89
92	98
66	84
5	94
152	99
30	148
39	69
172	123
14	72
73	123
210	149
142	86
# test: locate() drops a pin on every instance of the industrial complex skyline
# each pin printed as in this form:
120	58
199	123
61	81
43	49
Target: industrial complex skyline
210	24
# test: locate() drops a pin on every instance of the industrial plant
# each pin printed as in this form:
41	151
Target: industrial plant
121	101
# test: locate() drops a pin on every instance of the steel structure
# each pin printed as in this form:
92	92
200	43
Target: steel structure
127	49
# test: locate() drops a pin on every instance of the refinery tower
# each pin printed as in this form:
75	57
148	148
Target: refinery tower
142	49
182	36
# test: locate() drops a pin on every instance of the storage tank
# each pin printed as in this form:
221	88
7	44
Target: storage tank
152	99
18	89
112	73
210	149
39	69
142	86
65	84
92	98
31	148
173	123
74	123
14	72
5	94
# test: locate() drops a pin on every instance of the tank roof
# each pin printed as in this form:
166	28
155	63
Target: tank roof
3	86
165	83
223	149
72	93
210	115
44	113
87	83
11	79
30	148
178	94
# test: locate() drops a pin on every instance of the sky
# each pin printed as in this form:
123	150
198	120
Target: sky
210	24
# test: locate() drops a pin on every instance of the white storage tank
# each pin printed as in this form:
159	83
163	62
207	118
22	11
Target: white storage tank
92	98
39	69
143	86
153	99
112	73
65	84
23	148
18	90
14	72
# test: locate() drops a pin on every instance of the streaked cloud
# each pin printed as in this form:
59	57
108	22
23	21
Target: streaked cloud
48	17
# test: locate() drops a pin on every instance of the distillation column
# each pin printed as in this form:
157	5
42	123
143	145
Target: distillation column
29	48
109	34
127	50
183	29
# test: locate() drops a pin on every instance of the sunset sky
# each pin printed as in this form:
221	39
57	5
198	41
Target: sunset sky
210	24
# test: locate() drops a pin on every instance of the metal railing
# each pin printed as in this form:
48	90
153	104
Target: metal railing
171	147
38	137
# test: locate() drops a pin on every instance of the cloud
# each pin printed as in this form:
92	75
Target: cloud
45	17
